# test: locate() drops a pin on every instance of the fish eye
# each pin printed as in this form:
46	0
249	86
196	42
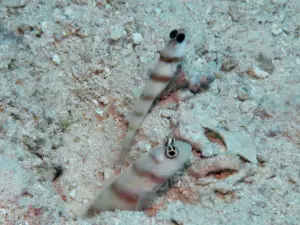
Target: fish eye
169	141
173	34
180	37
171	152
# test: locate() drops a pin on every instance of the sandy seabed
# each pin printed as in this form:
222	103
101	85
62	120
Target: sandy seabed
70	71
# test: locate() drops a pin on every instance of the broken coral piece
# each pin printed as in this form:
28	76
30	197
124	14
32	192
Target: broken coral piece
240	143
219	163
192	127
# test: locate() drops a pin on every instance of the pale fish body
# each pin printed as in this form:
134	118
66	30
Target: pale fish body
170	57
129	190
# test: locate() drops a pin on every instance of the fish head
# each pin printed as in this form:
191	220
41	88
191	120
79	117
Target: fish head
170	159
176	44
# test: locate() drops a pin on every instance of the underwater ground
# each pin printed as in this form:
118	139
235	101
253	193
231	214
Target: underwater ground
71	70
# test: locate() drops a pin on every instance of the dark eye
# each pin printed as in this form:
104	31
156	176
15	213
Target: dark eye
171	152
180	37
173	34
169	141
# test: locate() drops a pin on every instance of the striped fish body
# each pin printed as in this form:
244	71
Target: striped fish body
170	58
145	176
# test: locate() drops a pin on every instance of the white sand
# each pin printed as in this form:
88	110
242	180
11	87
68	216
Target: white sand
59	60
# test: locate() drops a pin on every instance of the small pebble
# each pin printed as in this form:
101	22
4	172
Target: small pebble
73	193
44	26
257	73
157	11
58	37
261	158
137	38
265	63
103	113
118	33
56	59
104	100
223	187
24	27
107	71
243	93
165	113
276	29
229	198
83	32
228	65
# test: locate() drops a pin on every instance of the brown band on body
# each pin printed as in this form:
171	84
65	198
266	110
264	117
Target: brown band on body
170	59
154	178
160	78
147	97
127	197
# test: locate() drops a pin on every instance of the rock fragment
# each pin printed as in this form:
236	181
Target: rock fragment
229	64
243	93
22	28
276	29
240	143
192	126
56	59
265	63
137	38
166	113
118	33
215	164
257	73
